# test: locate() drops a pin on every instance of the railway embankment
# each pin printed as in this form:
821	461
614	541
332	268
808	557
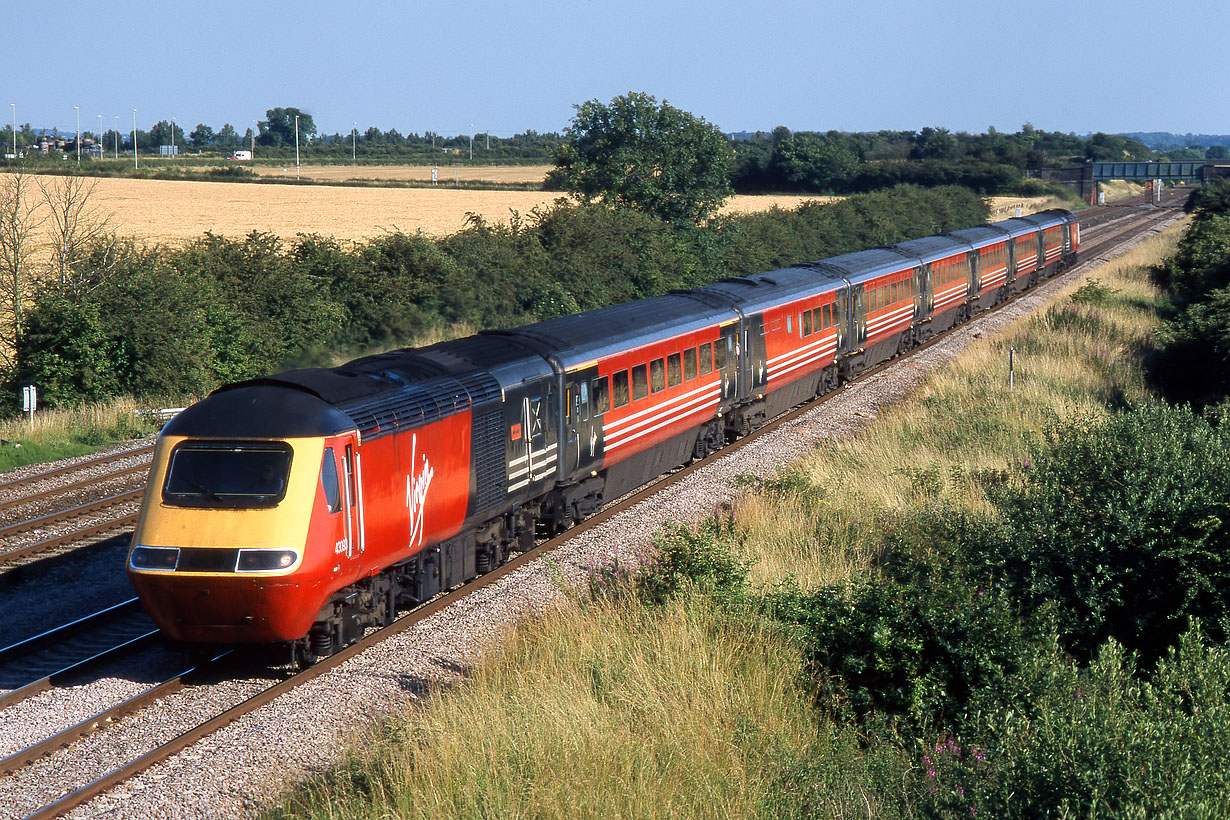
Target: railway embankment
981	601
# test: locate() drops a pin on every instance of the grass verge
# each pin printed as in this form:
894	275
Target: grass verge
67	432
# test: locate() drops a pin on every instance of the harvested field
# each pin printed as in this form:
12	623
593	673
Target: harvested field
410	173
166	211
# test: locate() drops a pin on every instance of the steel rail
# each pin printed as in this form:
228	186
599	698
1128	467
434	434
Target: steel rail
80	465
20	501
36	643
44	683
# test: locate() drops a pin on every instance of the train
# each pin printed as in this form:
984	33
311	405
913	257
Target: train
299	509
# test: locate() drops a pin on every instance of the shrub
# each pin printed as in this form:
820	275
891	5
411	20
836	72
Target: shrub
909	647
1101	742
1123	523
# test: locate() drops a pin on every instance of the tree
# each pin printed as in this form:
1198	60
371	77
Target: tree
165	133
202	135
227	138
636	153
78	231
19	219
278	129
813	163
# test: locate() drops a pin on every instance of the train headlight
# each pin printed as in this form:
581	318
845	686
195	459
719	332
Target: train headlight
163	559
264	560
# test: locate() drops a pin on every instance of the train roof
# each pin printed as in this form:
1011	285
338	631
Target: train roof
932	248
863	265
1016	227
765	290
597	333
259	411
981	235
1050	218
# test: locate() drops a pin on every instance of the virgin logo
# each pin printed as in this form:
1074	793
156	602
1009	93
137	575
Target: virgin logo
417	482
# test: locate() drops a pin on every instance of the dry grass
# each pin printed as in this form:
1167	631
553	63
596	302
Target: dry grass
612	710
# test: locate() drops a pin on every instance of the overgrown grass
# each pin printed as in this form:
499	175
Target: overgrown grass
698	706
609	710
67	432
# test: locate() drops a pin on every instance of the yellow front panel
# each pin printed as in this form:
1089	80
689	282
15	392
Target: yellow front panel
286	525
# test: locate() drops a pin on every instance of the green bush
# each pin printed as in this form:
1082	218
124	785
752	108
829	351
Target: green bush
1098	742
909	648
1122	522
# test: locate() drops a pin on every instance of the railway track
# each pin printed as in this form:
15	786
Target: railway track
1106	235
58	508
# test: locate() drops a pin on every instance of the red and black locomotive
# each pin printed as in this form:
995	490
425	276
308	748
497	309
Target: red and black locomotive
303	507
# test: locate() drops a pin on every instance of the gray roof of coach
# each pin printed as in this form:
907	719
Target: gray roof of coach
931	248
863	265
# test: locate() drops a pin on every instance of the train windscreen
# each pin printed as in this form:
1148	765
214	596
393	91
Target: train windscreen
221	474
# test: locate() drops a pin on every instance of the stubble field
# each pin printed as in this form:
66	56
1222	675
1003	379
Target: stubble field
170	212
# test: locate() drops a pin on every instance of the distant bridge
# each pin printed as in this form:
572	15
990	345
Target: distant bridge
1085	178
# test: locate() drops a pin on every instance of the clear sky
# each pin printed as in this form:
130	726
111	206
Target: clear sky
743	65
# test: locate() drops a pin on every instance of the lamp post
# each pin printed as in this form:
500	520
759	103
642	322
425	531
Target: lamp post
14	107
136	163
255	127
172	136
296	146
100	137
354	141
471	140
77	108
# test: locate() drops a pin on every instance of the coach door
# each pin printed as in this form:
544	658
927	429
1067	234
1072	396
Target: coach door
585	397
726	355
352	491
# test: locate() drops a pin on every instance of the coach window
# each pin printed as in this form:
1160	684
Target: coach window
657	375
706	358
640	383
619	384
807	325
600	399
719	355
788	328
674	370
817	319
689	363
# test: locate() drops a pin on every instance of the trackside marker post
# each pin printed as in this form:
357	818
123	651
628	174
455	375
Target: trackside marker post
1011	354
29	401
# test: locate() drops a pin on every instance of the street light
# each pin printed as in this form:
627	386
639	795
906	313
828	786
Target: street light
471	140
296	146
136	163
354	140
14	107
100	138
77	108
172	136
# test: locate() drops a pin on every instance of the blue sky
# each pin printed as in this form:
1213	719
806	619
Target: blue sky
505	67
